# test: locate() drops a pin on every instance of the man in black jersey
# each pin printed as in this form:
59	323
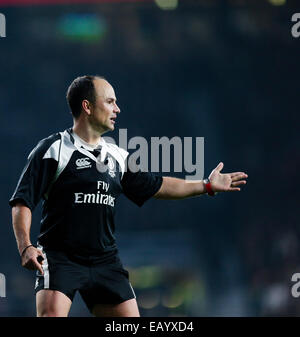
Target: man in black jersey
80	176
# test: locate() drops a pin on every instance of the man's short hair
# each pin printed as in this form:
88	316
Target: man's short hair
81	88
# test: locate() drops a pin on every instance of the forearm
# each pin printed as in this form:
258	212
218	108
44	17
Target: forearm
174	189
21	219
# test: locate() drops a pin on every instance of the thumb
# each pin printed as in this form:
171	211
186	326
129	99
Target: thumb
219	167
40	269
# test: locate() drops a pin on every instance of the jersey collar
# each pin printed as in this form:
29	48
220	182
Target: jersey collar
85	148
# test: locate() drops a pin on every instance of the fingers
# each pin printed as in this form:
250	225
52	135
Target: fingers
39	267
219	167
232	189
34	261
39	262
238	183
238	175
40	259
233	186
33	264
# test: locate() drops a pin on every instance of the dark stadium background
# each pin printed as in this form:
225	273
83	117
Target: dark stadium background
224	70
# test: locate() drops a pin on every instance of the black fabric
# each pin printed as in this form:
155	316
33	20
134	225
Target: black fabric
140	186
79	211
102	281
36	176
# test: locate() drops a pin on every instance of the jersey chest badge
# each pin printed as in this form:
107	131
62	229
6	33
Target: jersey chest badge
83	163
108	166
111	167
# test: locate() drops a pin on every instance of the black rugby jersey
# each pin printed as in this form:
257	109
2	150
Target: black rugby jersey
80	189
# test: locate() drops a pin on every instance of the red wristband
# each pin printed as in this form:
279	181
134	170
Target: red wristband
208	188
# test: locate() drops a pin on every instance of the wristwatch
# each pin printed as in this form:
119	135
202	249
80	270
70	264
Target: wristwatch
208	188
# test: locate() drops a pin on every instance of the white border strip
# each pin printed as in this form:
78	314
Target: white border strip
45	268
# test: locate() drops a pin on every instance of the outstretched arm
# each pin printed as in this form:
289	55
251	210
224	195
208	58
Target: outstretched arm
174	188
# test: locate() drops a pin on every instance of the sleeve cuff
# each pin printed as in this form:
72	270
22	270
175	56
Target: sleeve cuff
140	203
12	202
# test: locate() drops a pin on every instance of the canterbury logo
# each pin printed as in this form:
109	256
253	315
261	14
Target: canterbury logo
83	163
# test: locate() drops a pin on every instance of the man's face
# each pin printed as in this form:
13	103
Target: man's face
104	111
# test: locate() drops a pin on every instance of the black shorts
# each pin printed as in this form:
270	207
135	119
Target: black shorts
99	281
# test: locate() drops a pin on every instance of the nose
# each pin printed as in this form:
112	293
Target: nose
117	109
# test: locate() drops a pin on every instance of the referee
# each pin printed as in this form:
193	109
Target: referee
79	176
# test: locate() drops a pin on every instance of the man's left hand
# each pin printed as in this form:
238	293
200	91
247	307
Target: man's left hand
226	182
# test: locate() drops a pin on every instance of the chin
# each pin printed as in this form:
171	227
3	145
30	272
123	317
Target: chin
109	128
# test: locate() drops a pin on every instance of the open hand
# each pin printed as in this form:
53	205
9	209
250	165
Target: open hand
226	182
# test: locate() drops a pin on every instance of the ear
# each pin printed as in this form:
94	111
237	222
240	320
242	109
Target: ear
86	106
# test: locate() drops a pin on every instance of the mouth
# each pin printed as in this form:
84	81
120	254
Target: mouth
113	119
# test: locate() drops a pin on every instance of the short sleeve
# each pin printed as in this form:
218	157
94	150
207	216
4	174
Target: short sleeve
36	176
140	186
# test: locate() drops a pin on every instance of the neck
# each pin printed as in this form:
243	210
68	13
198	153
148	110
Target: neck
86	133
